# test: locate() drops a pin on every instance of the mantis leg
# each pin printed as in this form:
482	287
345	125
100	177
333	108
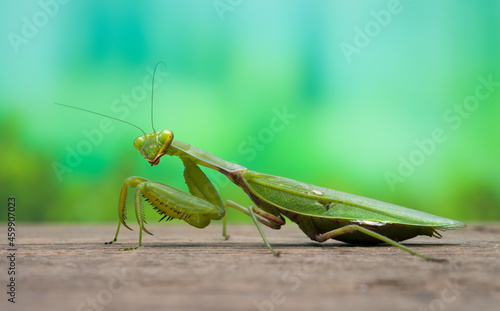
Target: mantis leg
351	228
263	217
122	212
168	201
200	186
224	226
139	214
116	235
256	219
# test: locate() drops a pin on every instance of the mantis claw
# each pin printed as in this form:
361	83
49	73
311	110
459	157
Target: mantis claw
145	230
440	260
130	248
126	226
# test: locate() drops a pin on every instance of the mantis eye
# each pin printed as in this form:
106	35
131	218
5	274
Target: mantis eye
138	143
165	137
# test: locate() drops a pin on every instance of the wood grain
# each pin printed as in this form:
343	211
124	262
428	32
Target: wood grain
67	267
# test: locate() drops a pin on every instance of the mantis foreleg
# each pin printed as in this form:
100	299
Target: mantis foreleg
199	185
122	212
168	201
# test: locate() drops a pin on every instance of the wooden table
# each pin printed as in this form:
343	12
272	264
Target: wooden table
67	267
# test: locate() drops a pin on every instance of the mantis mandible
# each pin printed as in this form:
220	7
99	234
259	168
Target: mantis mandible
321	213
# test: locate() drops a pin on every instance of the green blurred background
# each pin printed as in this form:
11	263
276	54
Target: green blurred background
342	94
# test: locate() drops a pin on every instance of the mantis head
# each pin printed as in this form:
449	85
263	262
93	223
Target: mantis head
154	145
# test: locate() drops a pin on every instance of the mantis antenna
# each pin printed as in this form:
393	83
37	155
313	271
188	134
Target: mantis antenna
102	115
152	88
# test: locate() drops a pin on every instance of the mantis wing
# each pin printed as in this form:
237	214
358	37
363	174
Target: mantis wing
315	201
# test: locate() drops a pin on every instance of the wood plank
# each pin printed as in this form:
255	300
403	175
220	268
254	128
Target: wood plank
67	267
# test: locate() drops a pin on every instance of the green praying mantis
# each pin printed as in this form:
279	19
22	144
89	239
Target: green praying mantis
321	213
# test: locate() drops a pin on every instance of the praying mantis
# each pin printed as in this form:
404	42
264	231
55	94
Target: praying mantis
321	213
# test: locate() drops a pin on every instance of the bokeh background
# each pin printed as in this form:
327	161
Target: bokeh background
347	95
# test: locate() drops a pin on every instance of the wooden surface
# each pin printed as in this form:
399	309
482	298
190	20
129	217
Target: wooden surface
67	267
